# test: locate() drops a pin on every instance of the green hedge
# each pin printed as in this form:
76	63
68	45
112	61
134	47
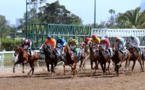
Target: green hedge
8	43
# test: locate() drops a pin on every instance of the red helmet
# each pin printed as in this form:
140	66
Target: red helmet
87	39
93	36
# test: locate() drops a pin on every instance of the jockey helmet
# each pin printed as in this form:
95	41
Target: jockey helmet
48	37
58	37
116	38
23	40
71	39
132	37
87	39
93	36
103	38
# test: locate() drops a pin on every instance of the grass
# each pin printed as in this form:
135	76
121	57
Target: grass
8	60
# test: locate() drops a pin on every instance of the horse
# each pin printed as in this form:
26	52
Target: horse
51	57
84	54
135	56
143	57
23	56
119	57
94	56
68	55
103	59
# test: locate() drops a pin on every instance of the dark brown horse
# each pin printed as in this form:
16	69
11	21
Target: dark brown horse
119	57
51	57
103	59
135	55
23	56
69	61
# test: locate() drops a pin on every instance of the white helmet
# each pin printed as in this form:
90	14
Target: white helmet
103	38
26	40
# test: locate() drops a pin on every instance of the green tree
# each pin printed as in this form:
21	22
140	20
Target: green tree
58	14
132	19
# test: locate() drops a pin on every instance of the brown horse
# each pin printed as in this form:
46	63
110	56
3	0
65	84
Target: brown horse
119	57
84	54
94	56
23	56
69	61
135	55
143	57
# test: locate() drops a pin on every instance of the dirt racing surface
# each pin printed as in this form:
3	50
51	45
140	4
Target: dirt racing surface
84	80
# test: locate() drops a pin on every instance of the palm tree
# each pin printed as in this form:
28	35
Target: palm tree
134	18
111	11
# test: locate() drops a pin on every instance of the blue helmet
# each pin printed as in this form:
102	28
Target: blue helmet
48	37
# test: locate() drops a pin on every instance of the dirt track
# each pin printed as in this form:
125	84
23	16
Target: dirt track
82	81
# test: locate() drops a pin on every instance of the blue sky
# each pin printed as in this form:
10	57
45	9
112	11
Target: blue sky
82	8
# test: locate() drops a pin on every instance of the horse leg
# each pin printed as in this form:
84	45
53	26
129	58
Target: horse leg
47	67
81	62
64	73
108	65
74	68
141	65
134	61
96	64
104	71
52	69
117	69
91	64
23	68
14	67
102	67
126	65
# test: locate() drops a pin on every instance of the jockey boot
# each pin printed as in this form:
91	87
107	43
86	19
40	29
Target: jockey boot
30	52
123	52
110	55
79	56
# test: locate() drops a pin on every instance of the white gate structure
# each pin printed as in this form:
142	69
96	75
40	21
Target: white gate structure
120	32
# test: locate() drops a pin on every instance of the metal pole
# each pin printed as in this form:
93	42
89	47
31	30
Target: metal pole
94	13
26	21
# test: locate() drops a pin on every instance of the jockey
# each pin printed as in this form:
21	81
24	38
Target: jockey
73	47
87	40
120	44
60	42
26	44
135	42
95	39
105	44
50	42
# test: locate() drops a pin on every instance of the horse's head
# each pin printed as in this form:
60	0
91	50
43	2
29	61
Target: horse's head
82	45
44	47
66	49
18	49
